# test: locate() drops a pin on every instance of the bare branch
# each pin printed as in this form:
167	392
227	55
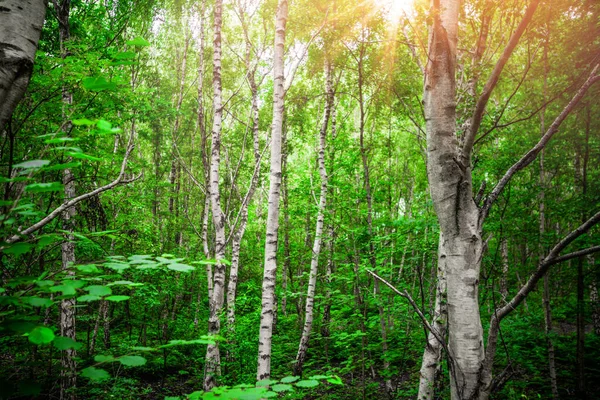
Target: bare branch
68	204
416	308
490	85
532	154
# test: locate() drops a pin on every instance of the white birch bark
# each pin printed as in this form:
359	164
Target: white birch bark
270	268
432	355
21	24
451	190
316	250
213	356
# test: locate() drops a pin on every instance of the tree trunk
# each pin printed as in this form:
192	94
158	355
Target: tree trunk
270	268
67	307
21	22
316	250
449	174
432	356
213	356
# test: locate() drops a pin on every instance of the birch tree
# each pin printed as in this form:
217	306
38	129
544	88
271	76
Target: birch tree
213	357
270	261
316	249
449	170
21	24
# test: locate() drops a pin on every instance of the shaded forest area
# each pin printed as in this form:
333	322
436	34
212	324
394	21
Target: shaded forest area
340	199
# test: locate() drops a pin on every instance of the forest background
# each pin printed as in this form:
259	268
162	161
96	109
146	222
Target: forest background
187	206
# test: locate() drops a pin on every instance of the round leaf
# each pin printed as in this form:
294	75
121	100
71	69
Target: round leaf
95	374
41	335
132	361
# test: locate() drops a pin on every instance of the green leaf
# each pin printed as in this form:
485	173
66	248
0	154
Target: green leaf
125	55
266	382
83	156
41	335
117	298
18	249
140	348
65	343
103	359
59	140
88	269
119	267
38	301
98	84
32	164
335	380
132	361
88	297
180	267
281	388
65	289
103	125
43	284
82	122
95	374
44	187
307	383
138	41
290	379
45	240
318	377
97	290
60	167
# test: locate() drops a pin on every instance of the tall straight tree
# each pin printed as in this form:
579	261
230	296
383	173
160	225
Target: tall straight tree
213	357
316	250
267	313
67	306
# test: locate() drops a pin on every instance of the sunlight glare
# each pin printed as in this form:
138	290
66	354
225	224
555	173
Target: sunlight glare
397	9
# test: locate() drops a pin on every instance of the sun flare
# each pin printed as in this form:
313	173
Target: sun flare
397	9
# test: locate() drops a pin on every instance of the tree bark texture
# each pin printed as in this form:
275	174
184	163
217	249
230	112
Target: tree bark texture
451	191
432	355
270	268
21	24
213	356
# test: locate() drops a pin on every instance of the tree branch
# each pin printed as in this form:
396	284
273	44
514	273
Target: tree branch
531	155
68	204
490	85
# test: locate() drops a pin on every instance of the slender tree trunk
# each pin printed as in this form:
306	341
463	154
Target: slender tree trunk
542	250
432	356
21	22
175	173
318	240
67	307
270	268
213	356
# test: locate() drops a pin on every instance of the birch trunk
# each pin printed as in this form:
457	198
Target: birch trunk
67	307
213	356
21	24
432	355
316	250
270	268
449	174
